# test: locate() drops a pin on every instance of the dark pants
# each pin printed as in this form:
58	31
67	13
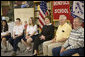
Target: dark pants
14	42
69	52
7	37
37	42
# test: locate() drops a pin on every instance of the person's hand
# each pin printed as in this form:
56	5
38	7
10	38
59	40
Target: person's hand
53	40
14	37
62	50
42	37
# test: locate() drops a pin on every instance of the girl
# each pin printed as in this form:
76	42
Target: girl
5	34
31	34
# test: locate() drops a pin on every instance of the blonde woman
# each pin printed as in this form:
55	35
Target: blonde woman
31	34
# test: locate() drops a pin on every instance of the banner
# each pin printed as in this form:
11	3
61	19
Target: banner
78	9
61	8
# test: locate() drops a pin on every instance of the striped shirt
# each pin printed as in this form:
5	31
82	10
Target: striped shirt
76	39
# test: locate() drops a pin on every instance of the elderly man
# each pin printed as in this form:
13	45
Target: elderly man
75	42
62	34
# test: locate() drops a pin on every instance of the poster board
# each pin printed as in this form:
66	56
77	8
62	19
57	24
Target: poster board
23	13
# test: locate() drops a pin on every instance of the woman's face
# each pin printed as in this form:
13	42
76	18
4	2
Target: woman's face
3	23
47	21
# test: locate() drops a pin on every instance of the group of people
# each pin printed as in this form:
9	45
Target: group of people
65	41
23	4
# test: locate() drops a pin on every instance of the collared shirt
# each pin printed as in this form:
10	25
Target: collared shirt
76	39
63	31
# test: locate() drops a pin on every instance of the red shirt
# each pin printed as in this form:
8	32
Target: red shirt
25	26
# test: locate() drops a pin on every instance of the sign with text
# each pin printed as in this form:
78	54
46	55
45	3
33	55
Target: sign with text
61	8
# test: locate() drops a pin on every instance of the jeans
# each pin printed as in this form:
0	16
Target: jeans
14	42
69	52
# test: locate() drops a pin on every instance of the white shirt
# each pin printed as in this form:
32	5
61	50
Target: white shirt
4	33
32	29
18	29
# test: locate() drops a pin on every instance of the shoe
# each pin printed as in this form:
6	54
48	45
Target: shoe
34	55
28	49
14	54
